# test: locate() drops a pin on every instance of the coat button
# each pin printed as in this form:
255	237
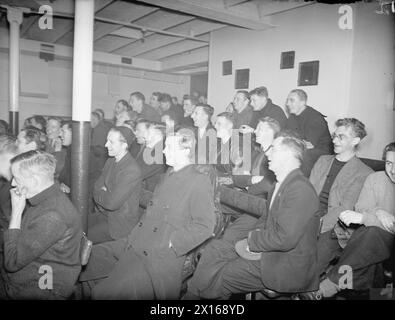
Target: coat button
140	224
145	253
155	229
150	203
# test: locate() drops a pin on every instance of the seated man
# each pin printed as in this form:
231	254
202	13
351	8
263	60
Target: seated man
150	158
154	102
279	251
8	150
181	215
100	129
189	105
171	120
311	126
65	175
263	107
116	192
42	243
120	106
31	138
54	144
233	150
143	110
338	179
367	233
4	127
166	104
206	137
260	180
243	112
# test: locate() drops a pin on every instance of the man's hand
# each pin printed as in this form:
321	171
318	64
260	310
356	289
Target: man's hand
103	188
308	144
225	180
387	220
18	203
64	188
351	217
256	179
244	129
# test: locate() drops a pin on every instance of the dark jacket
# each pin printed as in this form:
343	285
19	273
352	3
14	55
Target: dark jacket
269	110
187	122
259	167
99	133
50	235
120	201
182	212
149	113
65	174
312	126
242	118
287	237
206	146
151	172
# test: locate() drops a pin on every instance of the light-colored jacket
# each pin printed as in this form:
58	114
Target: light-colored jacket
345	190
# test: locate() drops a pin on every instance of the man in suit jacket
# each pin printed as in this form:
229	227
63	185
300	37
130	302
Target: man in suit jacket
116	193
279	252
338	180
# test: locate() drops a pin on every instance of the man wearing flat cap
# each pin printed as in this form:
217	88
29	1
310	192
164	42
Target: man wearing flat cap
116	193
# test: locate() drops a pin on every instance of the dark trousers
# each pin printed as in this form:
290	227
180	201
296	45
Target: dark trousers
98	228
117	271
220	271
367	247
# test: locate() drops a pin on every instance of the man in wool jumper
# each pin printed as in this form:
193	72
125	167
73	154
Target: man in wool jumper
42	242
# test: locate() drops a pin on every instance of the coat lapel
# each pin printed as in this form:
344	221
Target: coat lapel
277	198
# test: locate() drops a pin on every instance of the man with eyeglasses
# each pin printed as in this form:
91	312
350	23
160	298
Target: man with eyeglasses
338	180
364	235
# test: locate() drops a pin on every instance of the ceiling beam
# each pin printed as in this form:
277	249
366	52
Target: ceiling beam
205	10
127	24
147	35
98	7
183	61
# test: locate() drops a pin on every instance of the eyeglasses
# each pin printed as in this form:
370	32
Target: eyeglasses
341	137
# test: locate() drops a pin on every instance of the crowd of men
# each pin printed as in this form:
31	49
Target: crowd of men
326	210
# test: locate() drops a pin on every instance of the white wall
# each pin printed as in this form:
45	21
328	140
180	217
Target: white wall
53	82
314	34
372	77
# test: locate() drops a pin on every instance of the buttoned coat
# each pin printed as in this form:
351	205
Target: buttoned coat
180	217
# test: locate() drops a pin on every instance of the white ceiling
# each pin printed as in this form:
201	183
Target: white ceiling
186	26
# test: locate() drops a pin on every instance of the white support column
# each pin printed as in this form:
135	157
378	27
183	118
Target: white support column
81	109
15	18
83	59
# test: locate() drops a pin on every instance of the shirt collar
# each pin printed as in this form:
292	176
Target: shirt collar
43	195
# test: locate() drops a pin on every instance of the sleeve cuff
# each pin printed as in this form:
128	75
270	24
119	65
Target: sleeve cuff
11	234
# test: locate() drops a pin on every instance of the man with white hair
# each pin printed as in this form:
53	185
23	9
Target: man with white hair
42	243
